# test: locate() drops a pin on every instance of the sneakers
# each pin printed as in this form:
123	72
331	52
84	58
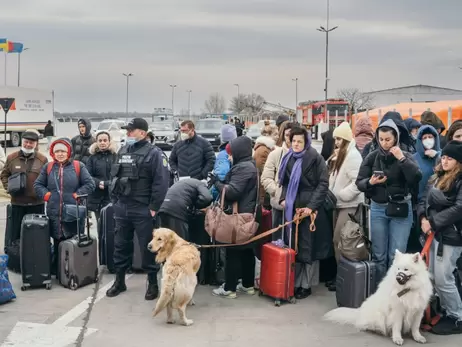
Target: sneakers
220	291
447	326
249	291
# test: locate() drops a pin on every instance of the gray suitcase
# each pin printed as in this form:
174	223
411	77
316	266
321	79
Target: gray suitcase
78	258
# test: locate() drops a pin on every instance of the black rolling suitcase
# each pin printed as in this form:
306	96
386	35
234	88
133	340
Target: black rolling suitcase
35	251
106	228
9	238
356	280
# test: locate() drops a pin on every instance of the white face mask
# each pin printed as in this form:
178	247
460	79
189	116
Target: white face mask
27	151
428	143
184	136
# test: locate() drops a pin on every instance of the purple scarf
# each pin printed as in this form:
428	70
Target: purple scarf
294	180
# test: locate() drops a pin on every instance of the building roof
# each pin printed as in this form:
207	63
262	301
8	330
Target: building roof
414	86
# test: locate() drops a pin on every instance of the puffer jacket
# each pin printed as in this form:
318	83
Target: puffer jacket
263	147
194	158
343	182
99	166
185	196
221	167
81	143
401	175
58	189
444	212
241	181
270	174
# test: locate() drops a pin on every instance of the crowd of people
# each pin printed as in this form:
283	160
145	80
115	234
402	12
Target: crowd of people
406	171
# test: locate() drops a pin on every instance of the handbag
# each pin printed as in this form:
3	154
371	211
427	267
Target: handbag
331	201
398	206
16	183
354	245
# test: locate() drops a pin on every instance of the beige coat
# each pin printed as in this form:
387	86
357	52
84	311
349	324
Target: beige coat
269	177
263	147
343	182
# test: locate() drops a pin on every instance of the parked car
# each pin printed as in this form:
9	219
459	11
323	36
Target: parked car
253	132
165	134
210	129
113	127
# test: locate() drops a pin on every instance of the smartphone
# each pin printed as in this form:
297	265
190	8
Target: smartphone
379	174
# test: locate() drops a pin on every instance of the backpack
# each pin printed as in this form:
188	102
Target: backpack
76	164
354	243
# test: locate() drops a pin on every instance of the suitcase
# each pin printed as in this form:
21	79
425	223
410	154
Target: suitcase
78	258
14	258
106	228
356	281
35	251
8	230
277	273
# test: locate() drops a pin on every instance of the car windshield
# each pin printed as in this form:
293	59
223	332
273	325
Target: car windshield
161	127
209	125
104	126
255	128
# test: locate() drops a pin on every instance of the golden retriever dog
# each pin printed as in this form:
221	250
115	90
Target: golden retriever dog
181	262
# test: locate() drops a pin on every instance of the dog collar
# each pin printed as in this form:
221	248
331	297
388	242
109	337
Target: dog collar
403	292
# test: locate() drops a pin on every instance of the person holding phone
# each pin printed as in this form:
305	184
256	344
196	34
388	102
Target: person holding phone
387	176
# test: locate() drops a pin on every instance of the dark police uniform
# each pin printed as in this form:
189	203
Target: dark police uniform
139	185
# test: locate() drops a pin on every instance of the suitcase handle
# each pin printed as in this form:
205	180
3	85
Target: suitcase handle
83	198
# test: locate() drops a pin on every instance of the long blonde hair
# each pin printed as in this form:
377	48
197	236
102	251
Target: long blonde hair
445	179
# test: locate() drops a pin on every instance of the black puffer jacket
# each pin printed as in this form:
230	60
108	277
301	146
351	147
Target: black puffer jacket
99	166
81	143
444	212
241	180
185	195
194	158
402	176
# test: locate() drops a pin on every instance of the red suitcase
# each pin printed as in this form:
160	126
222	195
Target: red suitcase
277	276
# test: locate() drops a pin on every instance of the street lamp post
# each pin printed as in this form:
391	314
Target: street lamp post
127	75
238	101
19	65
326	30
296	94
189	103
173	86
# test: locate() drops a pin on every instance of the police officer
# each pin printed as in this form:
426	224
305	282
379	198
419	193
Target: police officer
138	188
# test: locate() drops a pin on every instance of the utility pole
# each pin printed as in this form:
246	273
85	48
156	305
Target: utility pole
238	101
326	30
173	86
296	94
189	103
127	75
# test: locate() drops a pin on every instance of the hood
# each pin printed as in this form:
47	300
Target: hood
265	141
64	140
430	118
411	123
94	148
241	149
391	124
453	128
404	135
87	126
425	129
363	126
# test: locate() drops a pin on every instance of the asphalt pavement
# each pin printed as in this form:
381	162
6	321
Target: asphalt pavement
61	317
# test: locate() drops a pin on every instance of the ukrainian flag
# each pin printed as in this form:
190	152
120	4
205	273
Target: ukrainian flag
3	45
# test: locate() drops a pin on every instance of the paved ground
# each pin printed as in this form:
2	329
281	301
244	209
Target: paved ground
87	318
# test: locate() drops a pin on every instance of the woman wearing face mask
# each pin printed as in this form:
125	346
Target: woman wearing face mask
102	155
60	185
387	177
440	211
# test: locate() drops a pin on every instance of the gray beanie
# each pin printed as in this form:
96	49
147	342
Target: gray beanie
228	133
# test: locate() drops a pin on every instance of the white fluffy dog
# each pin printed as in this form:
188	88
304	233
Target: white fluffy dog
398	305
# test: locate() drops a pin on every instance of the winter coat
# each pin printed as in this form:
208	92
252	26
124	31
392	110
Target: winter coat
221	168
58	188
312	193
406	142
49	130
343	182
194	157
401	175
444	212
328	144
363	132
241	181
31	165
270	174
81	143
263	147
99	166
185	196
426	164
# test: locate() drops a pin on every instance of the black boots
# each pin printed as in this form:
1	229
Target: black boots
152	290
118	286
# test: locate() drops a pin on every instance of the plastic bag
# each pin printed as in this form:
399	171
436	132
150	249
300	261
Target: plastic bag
6	289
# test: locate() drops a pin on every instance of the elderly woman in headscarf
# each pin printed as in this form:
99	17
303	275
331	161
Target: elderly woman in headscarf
305	184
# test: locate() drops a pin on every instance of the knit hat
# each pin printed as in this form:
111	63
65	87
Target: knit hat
281	119
228	149
344	132
228	133
453	149
60	147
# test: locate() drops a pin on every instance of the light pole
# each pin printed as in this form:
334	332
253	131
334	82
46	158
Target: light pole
326	30
173	86
296	94
19	65
127	75
238	101
189	102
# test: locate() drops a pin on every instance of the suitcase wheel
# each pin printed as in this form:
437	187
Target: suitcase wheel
48	286
260	293
277	303
73	284
292	300
23	288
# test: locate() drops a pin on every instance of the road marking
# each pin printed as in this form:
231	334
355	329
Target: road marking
57	334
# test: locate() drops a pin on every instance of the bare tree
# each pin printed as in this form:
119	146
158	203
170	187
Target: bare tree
253	102
358	100
215	104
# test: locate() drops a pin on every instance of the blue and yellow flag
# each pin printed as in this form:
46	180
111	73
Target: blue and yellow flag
3	45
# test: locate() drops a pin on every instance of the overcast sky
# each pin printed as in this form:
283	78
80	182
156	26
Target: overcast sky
81	48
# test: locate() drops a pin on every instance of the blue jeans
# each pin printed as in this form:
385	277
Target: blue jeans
442	270
388	234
